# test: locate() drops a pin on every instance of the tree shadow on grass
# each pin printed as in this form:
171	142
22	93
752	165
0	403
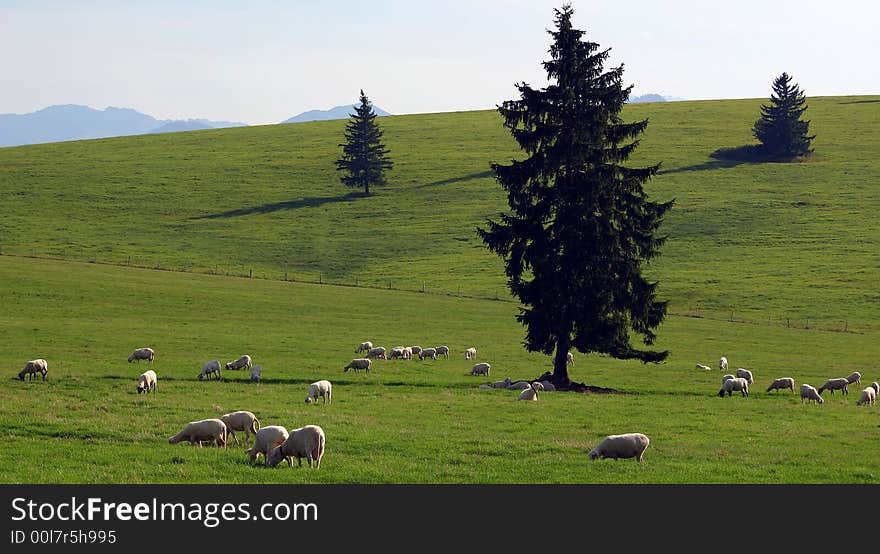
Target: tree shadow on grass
861	102
453	180
310	202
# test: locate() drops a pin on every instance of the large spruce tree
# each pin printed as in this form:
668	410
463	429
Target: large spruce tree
580	227
782	134
364	157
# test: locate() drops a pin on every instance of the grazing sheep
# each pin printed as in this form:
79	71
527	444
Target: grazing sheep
628	445
470	353
266	439
142	354
416	350
377	352
520	385
531	393
210	369
306	442
737	383
745	374
256	373
854	377
701	366
147	382
809	393
782	383
481	369
428	353
722	364
505	384
442	351
407	353
32	368
569	358
321	388
397	352
358	364
876	387
206	430
241	421
835	384
869	395
364	347
728	376
243	362
548	386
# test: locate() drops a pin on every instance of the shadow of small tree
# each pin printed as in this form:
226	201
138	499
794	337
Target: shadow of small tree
755	153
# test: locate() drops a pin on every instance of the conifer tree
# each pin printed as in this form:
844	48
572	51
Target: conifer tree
580	227
782	134
364	157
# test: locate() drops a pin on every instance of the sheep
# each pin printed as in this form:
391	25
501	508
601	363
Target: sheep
142	354
782	383
256	373
627	445
726	377
33	367
737	383
520	385
206	430
876	387
548	386
210	369
854	377
358	364
745	374
530	393
241	421
481	369
397	352
701	366
364	347
266	439
722	364
835	384
147	382
407	353
809	393
537	385
505	384
486	386
442	351
306	442
322	388
243	362
428	353
415	350
869	395
569	358
470	353
377	352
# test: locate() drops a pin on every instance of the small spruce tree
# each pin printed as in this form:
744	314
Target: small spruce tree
782	134
364	157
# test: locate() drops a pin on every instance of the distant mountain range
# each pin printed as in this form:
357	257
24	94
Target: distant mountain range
339	112
74	122
653	98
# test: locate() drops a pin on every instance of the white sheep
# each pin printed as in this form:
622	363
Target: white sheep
869	395
482	368
722	364
428	353
627	445
244	362
470	353
210	369
782	383
745	374
377	352
701	366
322	388
256	373
142	354
854	377
727	377
876	387
306	442
364	347
206	430
415	350
531	393
569	358
520	385
407	353
486	386
147	382
835	384
442	351
266	439
735	384
241	420
548	386
33	367
505	384
809	393
358	364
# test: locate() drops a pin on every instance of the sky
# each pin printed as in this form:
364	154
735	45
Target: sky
263	61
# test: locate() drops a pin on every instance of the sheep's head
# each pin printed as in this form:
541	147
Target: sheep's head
593	454
21	376
308	399
274	456
201	376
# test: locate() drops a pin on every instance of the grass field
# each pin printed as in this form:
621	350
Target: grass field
766	264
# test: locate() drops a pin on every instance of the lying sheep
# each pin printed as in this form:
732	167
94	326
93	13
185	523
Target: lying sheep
537	385
530	393
243	362
442	351
33	367
520	385
470	353
481	369
142	354
306	442
364	347
548	386
505	384
701	366
266	439
486	386
728	376
147	382
428	353
782	383
358	364
206	430
809	393
854	377
322	388
745	374
241	421
835	384
722	364
730	385
256	373
869	395
628	445
377	352
210	370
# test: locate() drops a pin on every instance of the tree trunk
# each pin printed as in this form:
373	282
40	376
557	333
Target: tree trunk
560	363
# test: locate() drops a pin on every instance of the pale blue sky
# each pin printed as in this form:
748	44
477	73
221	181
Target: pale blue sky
262	61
